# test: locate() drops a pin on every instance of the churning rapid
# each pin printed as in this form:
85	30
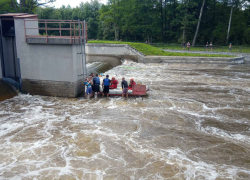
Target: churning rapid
194	124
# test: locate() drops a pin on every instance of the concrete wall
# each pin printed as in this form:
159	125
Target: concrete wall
104	52
193	60
8	54
31	24
46	67
115	52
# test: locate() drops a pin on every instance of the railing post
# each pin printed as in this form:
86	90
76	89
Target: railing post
25	30
70	33
46	31
60	28
82	30
74	32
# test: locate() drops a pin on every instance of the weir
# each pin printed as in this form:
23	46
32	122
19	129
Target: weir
103	52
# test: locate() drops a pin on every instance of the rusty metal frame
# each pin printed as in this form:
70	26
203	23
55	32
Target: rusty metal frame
72	27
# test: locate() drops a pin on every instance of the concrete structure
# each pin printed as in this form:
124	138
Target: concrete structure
111	52
107	52
48	65
247	59
193	60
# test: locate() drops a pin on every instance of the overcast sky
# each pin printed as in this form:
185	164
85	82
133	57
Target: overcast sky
73	3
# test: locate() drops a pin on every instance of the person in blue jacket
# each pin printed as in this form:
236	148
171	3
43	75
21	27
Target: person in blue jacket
96	84
89	88
105	86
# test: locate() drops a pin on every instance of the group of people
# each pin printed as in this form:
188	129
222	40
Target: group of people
184	45
93	85
209	45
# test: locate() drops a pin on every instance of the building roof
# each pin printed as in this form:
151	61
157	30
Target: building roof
19	15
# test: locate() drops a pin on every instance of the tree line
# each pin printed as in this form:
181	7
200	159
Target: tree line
169	21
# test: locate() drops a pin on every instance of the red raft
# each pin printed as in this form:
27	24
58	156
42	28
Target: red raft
138	90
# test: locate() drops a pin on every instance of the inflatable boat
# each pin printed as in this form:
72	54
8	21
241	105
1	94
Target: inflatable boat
138	90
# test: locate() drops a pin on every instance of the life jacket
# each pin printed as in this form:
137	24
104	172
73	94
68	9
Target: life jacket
131	84
106	82
115	81
97	80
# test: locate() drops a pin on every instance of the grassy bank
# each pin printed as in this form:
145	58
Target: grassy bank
235	49
155	51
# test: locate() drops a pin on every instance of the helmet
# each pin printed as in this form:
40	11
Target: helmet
113	77
131	79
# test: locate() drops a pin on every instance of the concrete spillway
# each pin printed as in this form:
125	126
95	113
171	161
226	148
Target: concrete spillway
104	52
6	91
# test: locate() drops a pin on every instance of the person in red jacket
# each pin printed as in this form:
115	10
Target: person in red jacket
131	84
114	83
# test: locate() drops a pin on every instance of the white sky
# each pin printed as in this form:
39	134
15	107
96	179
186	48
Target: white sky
72	3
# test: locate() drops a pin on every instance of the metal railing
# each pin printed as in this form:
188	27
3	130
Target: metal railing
48	28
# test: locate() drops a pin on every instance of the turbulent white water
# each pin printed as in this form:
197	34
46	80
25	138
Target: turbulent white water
194	124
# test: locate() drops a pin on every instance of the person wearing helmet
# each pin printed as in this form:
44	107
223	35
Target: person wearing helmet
131	84
114	83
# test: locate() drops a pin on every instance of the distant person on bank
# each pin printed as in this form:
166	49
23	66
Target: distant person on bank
230	47
89	88
184	45
114	83
124	87
188	45
211	46
105	86
207	46
96	84
131	84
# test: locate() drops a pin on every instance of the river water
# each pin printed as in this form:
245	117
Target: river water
194	124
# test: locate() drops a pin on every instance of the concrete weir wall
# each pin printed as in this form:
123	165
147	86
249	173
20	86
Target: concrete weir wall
104	52
193	60
48	69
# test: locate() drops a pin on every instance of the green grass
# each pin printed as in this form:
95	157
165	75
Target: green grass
235	49
156	51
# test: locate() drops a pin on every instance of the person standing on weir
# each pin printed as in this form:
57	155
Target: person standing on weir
96	84
230	47
124	87
105	86
207	46
188	45
211	46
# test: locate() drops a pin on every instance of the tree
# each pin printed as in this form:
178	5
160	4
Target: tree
229	24
6	6
198	24
28	6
